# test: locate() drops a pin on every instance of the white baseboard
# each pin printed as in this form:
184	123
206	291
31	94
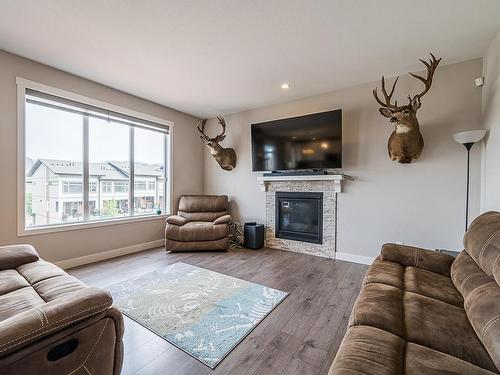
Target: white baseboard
354	258
92	258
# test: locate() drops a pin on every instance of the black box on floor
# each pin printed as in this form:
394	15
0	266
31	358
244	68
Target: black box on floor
253	235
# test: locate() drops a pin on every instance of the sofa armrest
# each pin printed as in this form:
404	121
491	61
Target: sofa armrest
223	219
429	260
35	323
177	220
13	256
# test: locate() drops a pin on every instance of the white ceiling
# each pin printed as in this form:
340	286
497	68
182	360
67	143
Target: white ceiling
211	57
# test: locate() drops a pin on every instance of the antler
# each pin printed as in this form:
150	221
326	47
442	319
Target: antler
431	68
217	138
221	136
202	122
387	97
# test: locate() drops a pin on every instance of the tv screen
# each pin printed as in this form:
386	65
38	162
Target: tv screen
305	142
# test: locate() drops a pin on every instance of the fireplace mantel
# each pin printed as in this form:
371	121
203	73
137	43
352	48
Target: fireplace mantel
336	178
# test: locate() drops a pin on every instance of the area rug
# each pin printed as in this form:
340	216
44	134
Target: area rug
202	312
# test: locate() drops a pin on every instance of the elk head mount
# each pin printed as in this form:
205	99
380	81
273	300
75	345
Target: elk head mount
226	157
406	142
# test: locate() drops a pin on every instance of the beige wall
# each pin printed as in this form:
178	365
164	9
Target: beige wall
421	204
491	119
187	159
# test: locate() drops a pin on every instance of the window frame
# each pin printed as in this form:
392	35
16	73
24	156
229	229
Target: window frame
24	84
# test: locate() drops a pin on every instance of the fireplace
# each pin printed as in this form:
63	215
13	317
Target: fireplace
299	216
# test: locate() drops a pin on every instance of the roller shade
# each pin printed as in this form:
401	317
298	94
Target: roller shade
56	102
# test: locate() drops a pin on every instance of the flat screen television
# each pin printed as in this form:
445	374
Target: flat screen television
298	143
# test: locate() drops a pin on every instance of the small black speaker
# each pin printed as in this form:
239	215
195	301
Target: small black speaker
253	235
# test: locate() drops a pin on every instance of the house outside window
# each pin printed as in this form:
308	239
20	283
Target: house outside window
87	178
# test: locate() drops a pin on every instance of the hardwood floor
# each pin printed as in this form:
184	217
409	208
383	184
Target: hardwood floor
301	336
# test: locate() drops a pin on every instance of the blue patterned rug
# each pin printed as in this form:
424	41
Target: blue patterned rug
202	312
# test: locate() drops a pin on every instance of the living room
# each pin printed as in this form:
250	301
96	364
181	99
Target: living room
250	187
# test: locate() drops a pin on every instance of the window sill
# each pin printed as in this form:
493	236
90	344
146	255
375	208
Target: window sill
89	224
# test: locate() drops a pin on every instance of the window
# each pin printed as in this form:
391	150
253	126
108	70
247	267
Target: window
74	151
72	211
140	185
149	147
121	187
72	187
109	148
106	187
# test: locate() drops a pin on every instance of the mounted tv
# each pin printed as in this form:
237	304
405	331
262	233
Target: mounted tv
310	142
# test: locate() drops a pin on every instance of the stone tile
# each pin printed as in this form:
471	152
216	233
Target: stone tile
327	248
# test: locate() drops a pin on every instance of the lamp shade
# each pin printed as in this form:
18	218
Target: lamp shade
469	136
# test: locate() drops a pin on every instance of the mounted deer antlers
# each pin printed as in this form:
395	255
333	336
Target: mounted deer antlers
226	157
406	142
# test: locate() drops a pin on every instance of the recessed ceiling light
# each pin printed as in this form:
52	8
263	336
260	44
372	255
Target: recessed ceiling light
286	86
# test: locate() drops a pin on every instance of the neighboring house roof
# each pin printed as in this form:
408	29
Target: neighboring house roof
105	170
142	169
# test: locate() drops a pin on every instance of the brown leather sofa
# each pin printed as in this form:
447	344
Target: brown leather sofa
201	223
51	323
423	312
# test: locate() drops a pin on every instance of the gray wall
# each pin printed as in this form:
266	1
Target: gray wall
491	119
421	204
187	159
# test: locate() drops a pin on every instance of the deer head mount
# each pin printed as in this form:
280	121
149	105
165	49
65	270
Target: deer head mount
406	142
226	157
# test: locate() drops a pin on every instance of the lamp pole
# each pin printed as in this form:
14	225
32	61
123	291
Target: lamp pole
468	138
468	146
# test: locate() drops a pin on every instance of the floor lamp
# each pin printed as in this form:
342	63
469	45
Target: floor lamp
468	139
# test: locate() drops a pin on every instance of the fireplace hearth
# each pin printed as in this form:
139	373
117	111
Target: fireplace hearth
299	216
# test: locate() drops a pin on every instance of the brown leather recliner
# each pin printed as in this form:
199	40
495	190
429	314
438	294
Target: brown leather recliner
52	323
201	223
423	312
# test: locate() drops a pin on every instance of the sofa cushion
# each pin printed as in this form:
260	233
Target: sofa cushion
432	285
371	351
223	219
482	302
482	243
176	220
203	203
417	257
208	216
11	280
17	301
385	273
476	274
35	272
367	350
443	327
13	256
421	360
197	231
203	207
466	274
379	306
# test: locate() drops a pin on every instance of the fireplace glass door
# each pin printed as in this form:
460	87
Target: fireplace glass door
299	216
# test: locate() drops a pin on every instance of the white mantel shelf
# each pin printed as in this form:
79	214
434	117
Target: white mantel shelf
336	178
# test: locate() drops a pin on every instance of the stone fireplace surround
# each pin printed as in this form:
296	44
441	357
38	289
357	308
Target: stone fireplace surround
329	185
